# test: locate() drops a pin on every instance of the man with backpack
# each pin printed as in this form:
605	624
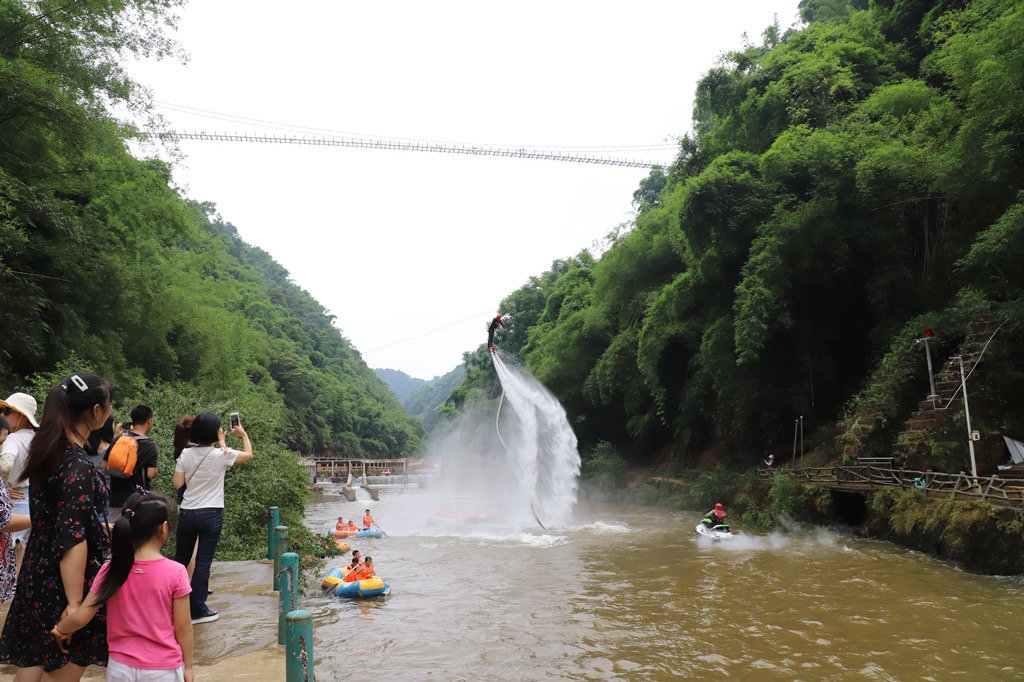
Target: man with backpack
123	484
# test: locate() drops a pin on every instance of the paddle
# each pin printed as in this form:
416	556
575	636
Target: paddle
380	529
349	570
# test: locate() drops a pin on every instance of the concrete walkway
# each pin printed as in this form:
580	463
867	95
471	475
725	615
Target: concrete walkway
242	643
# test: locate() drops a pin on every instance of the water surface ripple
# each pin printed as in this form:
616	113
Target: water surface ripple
631	594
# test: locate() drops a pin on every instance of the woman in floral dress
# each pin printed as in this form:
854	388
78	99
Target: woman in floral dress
68	537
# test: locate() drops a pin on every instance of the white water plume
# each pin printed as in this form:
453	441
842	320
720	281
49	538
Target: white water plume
504	465
536	434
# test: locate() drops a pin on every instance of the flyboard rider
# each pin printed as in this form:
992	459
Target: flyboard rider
490	331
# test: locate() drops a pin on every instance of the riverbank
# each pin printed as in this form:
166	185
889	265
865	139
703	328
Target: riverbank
242	643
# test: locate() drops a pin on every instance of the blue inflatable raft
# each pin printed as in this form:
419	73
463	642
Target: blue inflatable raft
370	533
335	584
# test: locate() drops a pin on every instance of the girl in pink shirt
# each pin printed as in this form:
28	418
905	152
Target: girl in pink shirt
149	624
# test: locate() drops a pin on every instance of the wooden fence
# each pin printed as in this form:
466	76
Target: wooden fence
863	477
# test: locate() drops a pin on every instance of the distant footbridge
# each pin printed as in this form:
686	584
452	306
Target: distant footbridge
405	145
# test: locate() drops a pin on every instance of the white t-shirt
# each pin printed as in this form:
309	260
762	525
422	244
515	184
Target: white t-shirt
204	468
16	448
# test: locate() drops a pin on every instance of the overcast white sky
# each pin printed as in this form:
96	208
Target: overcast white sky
411	251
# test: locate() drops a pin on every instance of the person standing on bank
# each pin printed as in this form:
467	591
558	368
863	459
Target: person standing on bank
9	521
68	542
149	633
20	411
122	487
201	468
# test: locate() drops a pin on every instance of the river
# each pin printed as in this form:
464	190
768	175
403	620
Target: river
626	593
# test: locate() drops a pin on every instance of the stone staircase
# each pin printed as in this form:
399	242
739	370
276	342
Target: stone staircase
935	412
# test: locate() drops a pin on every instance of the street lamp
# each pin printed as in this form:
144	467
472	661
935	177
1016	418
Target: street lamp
971	435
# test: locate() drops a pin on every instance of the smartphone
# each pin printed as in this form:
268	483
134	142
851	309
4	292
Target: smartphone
235	421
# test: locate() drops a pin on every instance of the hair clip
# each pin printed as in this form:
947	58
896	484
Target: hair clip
79	383
128	511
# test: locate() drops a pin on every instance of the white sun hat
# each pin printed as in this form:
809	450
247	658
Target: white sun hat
23	403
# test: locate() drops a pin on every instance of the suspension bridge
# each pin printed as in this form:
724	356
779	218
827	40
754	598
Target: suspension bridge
404	145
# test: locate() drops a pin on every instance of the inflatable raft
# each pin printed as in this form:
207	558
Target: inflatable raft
335	584
369	533
366	533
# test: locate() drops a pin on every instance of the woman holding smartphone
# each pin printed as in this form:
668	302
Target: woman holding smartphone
200	469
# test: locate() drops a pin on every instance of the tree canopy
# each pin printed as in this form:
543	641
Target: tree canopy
843	183
105	266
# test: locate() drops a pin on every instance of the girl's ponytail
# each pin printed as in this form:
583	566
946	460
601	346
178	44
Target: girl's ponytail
142	516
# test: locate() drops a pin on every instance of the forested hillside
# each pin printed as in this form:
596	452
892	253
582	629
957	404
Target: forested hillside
400	383
101	259
845	185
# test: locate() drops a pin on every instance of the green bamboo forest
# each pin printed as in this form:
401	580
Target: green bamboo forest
845	185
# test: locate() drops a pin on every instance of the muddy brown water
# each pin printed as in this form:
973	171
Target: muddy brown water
620	594
632	594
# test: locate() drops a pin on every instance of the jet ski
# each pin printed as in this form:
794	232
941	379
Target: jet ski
716	533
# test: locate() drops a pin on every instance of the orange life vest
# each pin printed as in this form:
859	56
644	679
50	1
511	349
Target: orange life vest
367	521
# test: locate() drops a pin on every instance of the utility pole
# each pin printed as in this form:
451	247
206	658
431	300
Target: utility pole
928	334
796	433
971	436
801	441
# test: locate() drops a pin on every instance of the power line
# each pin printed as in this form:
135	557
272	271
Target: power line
402	145
480	316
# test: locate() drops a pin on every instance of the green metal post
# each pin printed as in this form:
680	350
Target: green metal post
289	595
299	647
280	547
275	521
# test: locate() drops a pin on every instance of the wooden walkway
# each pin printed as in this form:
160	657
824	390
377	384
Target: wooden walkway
340	467
865	477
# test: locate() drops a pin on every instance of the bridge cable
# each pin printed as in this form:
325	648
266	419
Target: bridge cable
401	145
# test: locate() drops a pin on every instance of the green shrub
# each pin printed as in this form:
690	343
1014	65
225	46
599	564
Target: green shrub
605	469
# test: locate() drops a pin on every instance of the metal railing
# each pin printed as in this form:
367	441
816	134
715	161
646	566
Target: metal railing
403	145
861	477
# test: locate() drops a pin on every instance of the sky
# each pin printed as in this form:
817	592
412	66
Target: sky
412	252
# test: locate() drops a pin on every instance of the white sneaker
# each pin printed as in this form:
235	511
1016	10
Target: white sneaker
208	617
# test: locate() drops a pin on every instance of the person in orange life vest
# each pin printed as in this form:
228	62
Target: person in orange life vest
354	569
340	525
367	520
716	516
351	525
356	563
366	572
